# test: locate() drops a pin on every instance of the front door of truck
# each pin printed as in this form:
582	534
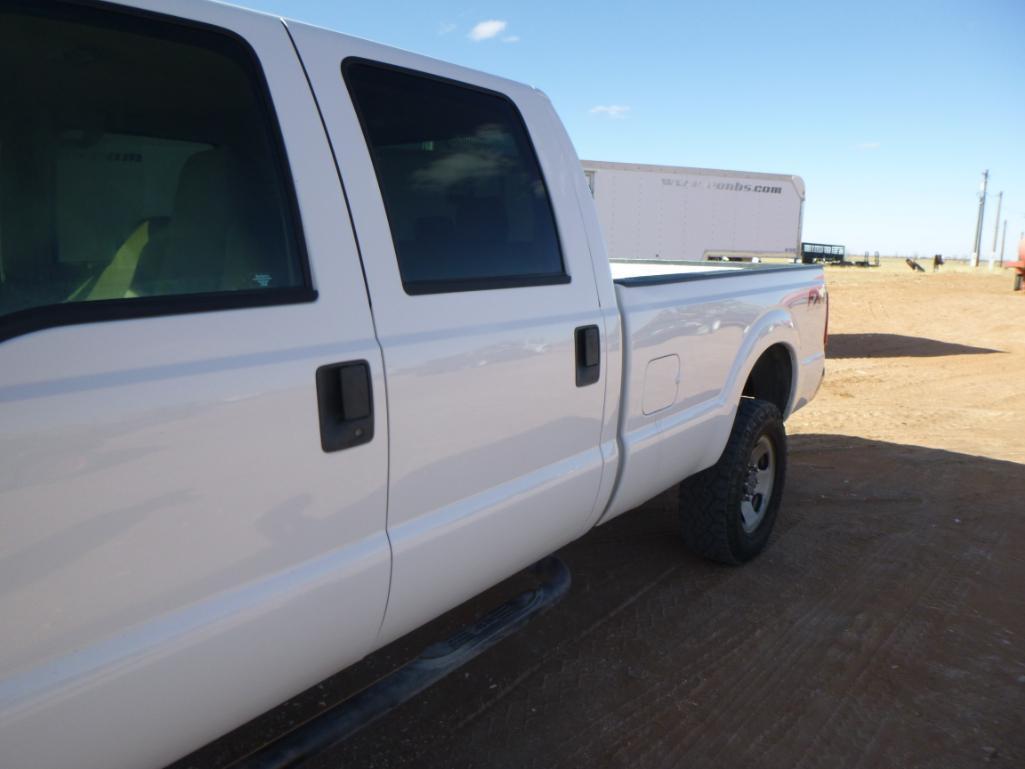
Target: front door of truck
481	298
178	552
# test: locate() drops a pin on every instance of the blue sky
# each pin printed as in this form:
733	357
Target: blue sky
889	110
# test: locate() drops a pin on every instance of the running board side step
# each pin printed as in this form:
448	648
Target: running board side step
435	662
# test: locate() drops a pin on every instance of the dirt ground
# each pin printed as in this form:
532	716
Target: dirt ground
883	627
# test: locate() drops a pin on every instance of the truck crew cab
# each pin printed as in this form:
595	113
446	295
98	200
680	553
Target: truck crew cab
305	340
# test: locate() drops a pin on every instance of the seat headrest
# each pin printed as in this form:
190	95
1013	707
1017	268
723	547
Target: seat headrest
203	198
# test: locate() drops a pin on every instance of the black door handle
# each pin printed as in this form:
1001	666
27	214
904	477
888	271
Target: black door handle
345	401
588	344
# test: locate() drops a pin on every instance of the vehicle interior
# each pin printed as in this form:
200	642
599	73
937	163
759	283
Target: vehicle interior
134	165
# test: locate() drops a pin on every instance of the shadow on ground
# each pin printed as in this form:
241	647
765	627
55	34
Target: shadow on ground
895	346
883	627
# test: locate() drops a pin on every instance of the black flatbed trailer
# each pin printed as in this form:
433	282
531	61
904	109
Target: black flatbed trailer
822	253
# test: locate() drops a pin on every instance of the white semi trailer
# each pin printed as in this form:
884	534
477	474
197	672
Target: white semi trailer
675	213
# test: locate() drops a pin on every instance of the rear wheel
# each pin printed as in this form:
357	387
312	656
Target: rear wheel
727	511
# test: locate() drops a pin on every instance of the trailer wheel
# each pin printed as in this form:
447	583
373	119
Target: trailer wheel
727	511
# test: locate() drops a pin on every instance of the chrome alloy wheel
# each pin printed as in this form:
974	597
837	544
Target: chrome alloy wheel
761	471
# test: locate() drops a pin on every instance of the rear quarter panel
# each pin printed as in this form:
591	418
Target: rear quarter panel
718	327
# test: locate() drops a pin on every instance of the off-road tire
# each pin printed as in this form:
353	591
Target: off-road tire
710	501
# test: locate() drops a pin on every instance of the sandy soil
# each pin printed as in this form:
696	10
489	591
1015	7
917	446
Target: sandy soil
934	360
884	627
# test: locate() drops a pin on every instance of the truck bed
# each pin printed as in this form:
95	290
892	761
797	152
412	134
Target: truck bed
689	345
640	272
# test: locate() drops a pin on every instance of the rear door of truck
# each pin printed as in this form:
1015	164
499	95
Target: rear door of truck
480	278
178	552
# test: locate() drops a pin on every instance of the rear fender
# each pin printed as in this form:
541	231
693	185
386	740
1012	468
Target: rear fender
775	327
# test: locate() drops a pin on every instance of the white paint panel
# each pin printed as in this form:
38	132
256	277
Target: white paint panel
178	553
640	269
494	452
718	327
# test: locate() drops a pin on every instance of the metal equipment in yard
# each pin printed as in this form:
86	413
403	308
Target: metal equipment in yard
1018	267
822	253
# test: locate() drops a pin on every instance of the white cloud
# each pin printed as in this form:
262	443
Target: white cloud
610	110
867	146
511	39
486	30
445	27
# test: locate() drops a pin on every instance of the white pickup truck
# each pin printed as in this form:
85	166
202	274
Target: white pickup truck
305	340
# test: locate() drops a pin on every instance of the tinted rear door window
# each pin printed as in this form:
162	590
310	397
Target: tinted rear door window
466	202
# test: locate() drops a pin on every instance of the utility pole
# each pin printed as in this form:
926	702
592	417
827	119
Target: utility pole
1003	242
996	224
978	224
